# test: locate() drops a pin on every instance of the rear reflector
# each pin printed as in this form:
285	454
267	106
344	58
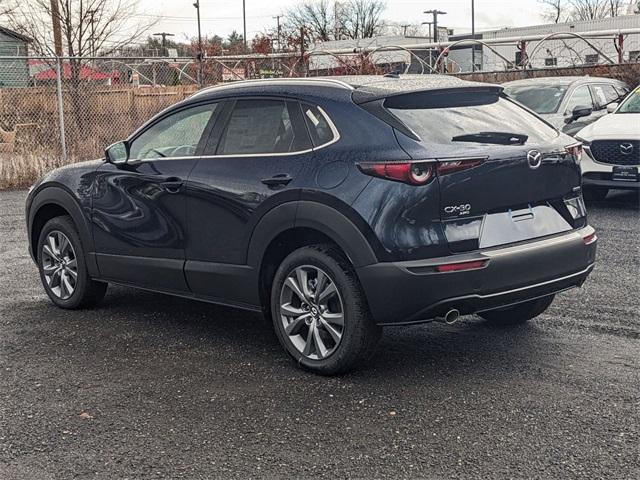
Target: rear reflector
589	239
459	267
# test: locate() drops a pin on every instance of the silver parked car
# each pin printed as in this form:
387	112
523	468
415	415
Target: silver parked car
568	103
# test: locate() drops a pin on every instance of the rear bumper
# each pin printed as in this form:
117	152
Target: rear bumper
415	292
604	180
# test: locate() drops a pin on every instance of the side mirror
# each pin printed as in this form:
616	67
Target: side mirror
612	107
579	112
118	153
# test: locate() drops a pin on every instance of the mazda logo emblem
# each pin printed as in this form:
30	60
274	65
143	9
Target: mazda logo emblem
626	148
534	157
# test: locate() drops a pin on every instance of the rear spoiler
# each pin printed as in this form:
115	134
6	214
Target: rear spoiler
371	93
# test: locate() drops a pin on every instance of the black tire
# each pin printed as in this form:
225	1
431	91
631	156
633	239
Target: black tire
595	194
520	313
360	334
86	292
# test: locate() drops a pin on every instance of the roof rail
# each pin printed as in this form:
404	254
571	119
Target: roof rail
275	81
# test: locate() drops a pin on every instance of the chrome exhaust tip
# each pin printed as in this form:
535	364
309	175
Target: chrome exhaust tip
451	317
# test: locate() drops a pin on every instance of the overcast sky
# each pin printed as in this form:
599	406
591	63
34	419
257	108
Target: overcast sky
221	17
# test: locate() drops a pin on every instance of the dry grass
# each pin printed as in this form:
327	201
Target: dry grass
21	171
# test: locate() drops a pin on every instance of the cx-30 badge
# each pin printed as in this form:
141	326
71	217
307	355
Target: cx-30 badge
626	148
534	157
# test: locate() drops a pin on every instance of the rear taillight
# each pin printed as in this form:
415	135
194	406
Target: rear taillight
453	166
461	267
413	173
418	173
575	150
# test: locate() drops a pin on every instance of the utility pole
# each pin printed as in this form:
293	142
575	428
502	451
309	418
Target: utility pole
473	35
164	36
93	31
244	25
200	54
277	17
429	23
57	31
404	29
435	14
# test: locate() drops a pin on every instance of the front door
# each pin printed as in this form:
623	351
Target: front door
254	160
139	208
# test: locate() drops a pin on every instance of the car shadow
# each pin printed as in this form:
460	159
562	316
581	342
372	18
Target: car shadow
139	323
618	200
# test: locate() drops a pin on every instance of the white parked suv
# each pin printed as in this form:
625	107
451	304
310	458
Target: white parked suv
612	146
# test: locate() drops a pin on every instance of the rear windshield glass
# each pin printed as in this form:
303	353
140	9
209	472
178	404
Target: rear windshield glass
539	98
631	104
475	117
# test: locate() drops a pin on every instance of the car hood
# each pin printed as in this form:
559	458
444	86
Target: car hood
613	126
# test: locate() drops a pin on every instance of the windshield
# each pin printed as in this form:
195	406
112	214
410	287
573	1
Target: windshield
469	116
538	97
632	103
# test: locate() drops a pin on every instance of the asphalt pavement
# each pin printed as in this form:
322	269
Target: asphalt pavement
148	386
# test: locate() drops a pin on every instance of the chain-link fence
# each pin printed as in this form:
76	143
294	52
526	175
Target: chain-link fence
61	110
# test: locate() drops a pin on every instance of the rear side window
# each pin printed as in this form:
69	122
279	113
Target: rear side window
318	124
468	116
605	94
264	127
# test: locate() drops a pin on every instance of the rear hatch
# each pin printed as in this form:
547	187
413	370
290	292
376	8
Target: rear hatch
505	175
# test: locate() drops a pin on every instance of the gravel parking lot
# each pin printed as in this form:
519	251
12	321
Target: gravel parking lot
149	386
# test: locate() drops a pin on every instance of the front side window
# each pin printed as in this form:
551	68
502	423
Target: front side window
581	98
264	127
541	99
177	135
469	116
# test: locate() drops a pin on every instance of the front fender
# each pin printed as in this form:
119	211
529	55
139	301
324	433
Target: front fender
58	195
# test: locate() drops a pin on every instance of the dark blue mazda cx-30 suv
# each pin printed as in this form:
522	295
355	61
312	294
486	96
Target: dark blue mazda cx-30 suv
333	205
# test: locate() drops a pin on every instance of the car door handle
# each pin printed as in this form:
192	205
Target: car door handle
172	184
281	179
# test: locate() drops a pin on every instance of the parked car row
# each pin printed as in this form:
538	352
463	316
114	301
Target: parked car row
335	206
589	109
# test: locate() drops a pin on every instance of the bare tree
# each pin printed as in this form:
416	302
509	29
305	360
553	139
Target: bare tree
88	26
325	20
403	29
594	9
362	18
315	16
554	10
5	8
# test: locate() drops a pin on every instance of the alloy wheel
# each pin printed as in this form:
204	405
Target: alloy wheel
59	264
312	312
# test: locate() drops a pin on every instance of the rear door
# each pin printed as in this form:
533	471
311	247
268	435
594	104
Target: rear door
497	164
253	161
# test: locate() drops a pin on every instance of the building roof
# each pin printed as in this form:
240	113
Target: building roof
43	71
16	35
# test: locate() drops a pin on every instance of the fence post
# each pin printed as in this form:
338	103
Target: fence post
63	141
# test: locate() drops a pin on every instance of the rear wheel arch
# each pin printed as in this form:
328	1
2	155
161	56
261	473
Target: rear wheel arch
298	224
